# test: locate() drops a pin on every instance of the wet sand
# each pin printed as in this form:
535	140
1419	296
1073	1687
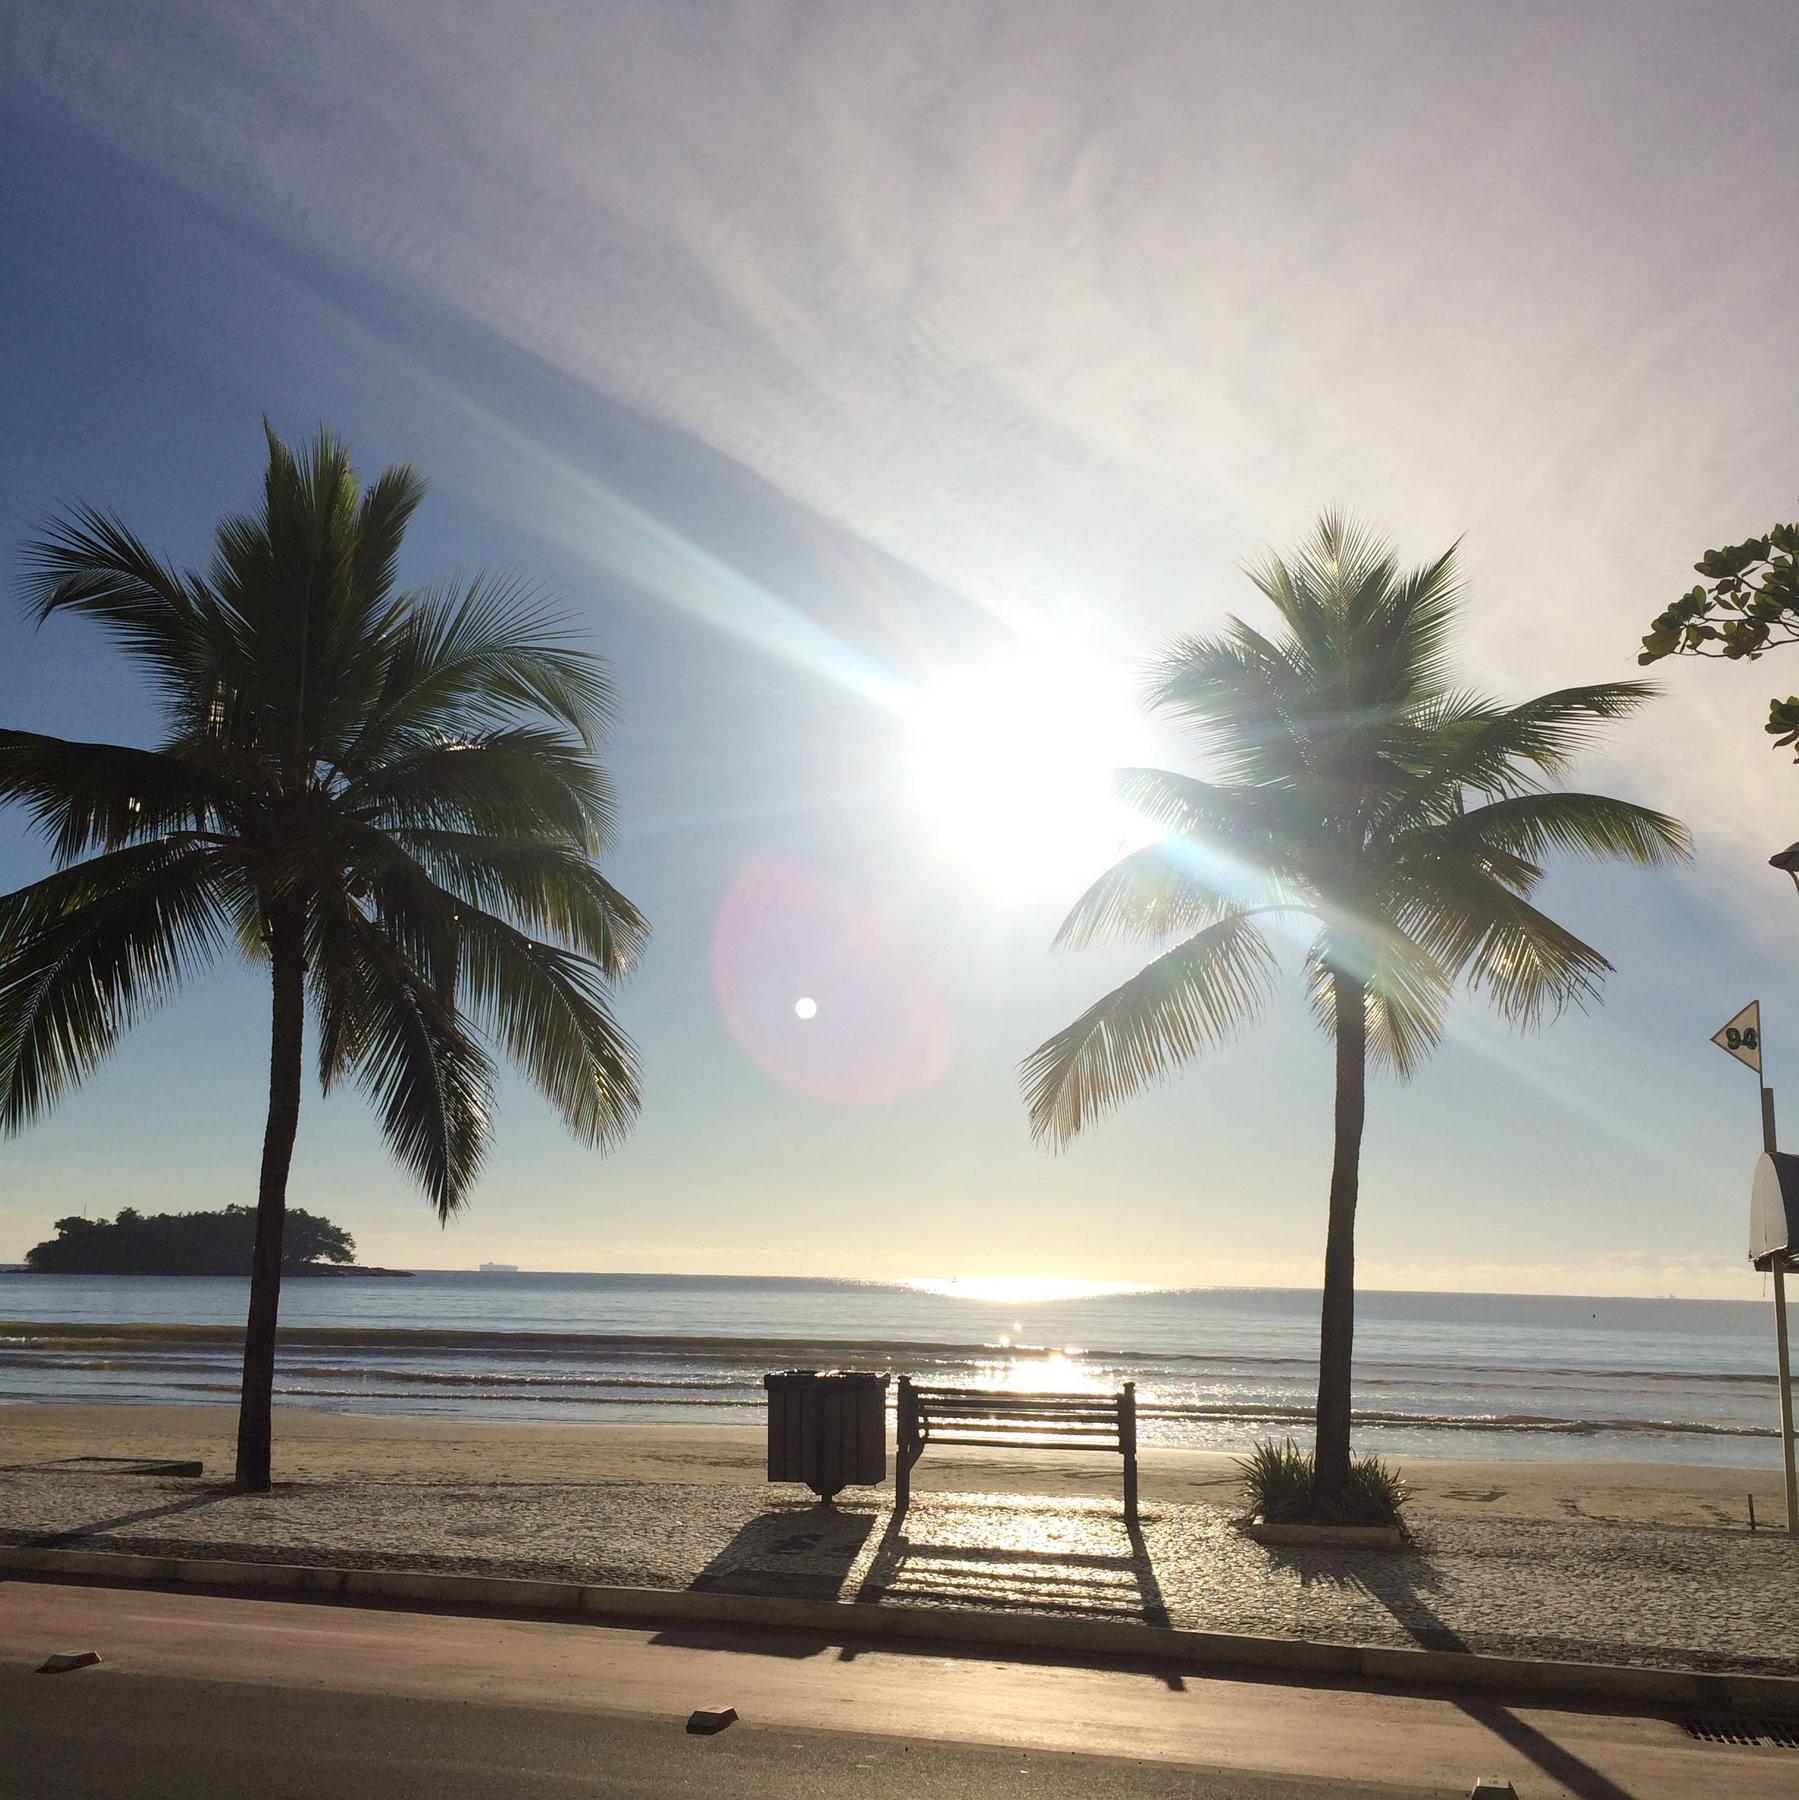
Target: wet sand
314	1446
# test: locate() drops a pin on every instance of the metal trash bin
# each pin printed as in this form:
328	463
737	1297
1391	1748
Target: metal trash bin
827	1428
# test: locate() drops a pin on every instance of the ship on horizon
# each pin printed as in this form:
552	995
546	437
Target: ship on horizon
498	1269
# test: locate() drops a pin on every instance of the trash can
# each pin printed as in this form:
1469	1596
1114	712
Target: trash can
827	1428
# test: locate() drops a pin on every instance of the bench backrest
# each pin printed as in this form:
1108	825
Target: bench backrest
996	1419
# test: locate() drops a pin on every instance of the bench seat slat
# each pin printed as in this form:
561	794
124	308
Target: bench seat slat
1082	1427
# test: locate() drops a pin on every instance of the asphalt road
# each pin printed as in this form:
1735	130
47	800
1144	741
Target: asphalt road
203	1695
116	1735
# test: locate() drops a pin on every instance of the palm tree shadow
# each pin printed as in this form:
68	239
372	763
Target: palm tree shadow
1400	1580
76	1534
1574	1774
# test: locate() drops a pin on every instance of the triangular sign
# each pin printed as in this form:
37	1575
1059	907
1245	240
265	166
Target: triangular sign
1742	1037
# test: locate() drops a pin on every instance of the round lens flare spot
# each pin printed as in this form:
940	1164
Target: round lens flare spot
786	933
1014	765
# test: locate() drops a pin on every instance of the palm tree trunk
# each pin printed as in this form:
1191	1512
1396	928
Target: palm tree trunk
1336	1336
287	961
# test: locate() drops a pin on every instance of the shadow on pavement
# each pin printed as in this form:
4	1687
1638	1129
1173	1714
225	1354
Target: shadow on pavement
1090	1584
1579	1778
793	1553
76	1534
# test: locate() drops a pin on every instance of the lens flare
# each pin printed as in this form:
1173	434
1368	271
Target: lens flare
784	929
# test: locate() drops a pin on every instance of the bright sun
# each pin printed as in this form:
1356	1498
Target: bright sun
1013	765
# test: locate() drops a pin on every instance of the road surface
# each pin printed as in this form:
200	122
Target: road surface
203	1695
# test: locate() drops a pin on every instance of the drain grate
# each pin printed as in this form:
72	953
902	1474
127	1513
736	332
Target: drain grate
1781	1734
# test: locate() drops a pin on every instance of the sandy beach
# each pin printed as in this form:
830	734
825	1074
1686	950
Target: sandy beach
1593	1561
317	1446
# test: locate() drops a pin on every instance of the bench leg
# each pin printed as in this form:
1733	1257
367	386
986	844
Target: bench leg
905	1448
1127	1442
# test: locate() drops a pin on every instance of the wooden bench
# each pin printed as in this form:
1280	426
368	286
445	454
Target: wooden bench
989	1418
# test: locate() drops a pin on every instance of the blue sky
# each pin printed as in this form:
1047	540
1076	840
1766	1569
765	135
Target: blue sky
814	353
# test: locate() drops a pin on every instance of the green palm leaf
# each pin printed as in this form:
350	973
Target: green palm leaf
1199	993
87	952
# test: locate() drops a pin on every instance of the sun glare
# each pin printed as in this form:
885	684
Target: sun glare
1013	765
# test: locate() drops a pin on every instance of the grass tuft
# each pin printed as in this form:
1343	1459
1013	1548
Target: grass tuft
1279	1479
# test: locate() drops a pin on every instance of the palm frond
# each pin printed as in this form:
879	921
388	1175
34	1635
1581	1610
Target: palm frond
1508	751
409	1051
84	796
382	516
1528	827
547	1007
1161	891
90	563
526	782
1499	944
544	889
1242	697
1406	994
1191	997
463	662
88	951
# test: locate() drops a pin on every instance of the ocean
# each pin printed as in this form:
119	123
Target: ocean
1469	1375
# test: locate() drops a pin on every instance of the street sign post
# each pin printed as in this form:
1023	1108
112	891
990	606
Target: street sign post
1742	1038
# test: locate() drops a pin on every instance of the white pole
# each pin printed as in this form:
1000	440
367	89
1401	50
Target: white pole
1780	1343
1786	1397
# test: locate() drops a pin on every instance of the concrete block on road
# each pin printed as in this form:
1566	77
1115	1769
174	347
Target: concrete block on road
60	1662
706	1720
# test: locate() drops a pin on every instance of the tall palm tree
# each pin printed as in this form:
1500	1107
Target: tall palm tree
389	797
1361	797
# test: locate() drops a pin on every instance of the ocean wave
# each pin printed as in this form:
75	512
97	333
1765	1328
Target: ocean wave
288	1391
23	1337
1276	1417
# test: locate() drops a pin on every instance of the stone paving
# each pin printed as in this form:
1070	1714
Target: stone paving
1663	1595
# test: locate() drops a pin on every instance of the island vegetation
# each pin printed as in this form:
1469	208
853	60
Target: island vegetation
221	1242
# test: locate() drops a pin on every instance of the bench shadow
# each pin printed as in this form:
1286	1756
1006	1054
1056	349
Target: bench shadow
1088	1583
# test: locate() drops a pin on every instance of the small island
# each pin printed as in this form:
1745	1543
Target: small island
194	1243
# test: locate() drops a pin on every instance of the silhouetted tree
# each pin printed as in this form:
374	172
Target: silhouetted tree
191	1243
1748	603
388	798
1405	819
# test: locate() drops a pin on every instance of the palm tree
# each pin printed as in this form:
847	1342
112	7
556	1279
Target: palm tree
388	797
1363	799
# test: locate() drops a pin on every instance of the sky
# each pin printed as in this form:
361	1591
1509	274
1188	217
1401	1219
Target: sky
830	362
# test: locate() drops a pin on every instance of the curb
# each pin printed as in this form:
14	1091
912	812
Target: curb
1768	1696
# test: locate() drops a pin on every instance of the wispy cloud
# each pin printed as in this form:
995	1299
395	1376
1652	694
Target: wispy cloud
1071	306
